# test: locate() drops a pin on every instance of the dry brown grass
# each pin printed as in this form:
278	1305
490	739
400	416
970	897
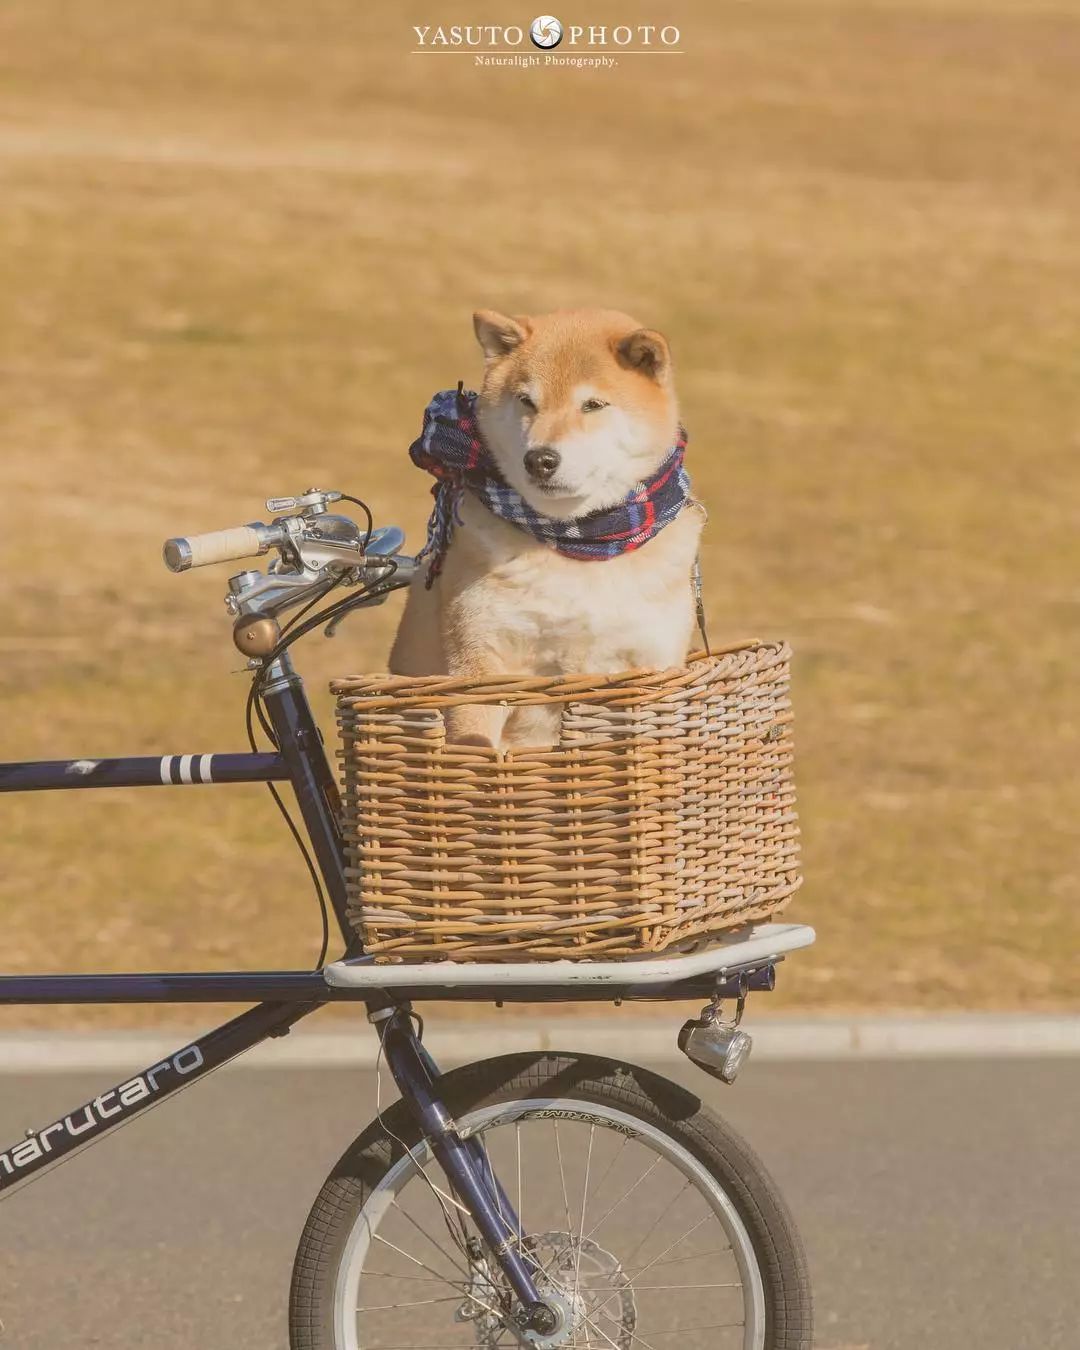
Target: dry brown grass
239	245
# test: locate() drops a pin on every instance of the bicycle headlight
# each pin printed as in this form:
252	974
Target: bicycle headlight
720	1048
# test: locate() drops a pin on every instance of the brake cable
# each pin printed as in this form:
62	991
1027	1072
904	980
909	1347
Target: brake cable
293	631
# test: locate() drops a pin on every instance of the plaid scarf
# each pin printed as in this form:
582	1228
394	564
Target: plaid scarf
450	448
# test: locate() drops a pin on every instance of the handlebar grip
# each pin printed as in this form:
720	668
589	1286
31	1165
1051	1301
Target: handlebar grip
198	550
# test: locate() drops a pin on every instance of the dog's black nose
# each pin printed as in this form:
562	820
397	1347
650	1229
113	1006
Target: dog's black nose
541	463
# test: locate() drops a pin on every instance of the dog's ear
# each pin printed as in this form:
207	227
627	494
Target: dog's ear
645	350
498	333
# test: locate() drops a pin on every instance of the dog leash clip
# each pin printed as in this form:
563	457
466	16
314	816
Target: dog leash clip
699	604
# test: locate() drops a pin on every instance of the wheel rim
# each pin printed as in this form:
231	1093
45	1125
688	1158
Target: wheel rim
418	1269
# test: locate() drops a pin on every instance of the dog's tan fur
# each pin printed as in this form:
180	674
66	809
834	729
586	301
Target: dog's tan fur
506	603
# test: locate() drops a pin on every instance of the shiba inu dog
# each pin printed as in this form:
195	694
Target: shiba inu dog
564	535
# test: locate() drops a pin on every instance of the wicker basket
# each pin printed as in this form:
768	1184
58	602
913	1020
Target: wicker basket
664	814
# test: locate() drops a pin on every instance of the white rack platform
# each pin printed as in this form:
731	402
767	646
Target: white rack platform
744	952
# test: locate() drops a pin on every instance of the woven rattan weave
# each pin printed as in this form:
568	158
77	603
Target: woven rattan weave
665	813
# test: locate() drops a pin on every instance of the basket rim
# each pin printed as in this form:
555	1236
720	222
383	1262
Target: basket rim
385	691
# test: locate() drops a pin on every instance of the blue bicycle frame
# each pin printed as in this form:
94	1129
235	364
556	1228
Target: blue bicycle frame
284	997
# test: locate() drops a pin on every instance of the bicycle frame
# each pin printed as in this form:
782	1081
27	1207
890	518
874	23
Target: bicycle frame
287	996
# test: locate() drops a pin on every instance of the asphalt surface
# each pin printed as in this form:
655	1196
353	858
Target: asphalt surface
939	1202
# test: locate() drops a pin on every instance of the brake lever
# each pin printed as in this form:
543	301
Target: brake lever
313	502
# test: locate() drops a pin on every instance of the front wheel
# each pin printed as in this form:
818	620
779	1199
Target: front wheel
653	1225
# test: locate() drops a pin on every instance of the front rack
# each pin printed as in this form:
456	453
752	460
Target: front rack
759	947
743	963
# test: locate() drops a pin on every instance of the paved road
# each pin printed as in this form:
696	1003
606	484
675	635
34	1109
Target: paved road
940	1203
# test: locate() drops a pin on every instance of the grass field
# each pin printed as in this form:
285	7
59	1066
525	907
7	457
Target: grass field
239	247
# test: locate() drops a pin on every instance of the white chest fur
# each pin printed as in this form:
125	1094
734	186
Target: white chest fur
518	605
505	603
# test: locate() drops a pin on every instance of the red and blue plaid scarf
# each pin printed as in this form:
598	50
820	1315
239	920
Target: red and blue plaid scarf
451	448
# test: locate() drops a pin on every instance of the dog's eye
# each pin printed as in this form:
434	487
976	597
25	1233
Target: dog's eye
526	402
593	405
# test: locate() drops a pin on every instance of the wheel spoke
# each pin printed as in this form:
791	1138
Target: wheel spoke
585	1237
610	1167
678	1260
584	1202
378	1237
626	1196
444	1196
517	1144
659	1219
562	1178
596	1191
671	1246
416	1303
634	1334
654	1288
416	1279
685	1331
460	1291
427	1236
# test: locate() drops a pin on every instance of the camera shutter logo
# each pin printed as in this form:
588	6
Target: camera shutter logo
546	31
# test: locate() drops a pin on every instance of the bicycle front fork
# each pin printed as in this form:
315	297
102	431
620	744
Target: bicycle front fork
465	1165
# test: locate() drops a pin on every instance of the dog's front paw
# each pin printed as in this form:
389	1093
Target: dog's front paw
476	725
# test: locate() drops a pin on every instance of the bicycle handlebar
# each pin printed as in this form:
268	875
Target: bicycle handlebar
199	550
315	547
317	552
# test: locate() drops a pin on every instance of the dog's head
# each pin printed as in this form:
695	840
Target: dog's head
576	406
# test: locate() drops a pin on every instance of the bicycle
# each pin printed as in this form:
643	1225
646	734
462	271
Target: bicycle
650	1224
